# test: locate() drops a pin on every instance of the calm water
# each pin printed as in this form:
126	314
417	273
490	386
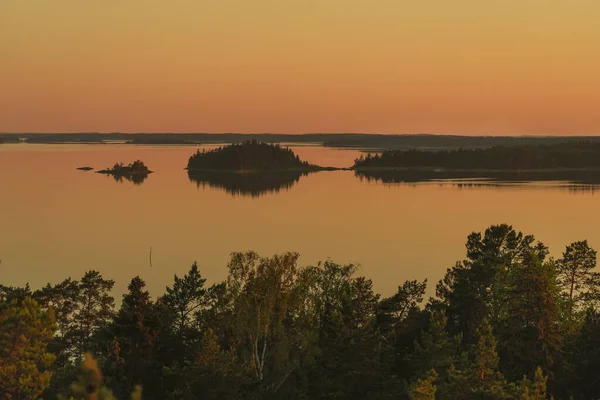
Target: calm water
57	222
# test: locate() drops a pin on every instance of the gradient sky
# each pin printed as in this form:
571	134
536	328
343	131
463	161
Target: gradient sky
382	66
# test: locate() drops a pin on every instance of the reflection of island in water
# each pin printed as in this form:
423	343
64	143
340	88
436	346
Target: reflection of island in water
573	180
135	179
253	184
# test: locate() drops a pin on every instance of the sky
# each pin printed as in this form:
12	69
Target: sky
493	67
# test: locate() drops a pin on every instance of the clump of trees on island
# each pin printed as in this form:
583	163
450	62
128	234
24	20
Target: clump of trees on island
247	156
569	155
507	322
135	168
135	172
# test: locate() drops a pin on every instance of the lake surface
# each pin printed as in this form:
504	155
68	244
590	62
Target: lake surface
56	221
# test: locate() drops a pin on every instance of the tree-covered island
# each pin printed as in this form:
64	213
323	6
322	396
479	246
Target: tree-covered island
136	172
249	156
581	155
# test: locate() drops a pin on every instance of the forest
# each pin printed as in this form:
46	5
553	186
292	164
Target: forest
249	155
506	322
568	155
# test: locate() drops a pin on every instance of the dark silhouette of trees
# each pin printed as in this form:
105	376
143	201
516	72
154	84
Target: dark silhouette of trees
247	156
569	155
135	172
507	322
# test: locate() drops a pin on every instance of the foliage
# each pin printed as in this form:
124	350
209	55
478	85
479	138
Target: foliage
507	322
90	385
576	276
25	331
424	389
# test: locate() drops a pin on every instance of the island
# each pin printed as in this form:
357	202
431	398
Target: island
249	156
568	156
85	168
135	172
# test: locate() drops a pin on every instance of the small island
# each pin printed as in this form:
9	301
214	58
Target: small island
135	172
249	156
85	168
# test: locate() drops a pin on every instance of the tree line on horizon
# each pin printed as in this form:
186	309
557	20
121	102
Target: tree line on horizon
507	322
568	155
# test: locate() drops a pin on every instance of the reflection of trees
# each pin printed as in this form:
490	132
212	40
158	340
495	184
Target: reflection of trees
254	184
136	179
576	181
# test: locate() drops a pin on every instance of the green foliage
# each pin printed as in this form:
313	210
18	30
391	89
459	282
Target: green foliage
535	390
576	276
504	325
131	343
436	350
530	330
186	298
90	385
265	304
585	358
424	389
477	288
25	331
477	375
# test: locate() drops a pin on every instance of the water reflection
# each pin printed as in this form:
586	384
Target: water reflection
252	184
136	179
580	181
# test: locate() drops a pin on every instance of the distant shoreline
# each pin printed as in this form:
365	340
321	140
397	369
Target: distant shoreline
358	141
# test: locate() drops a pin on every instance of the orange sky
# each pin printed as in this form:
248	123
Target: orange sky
382	66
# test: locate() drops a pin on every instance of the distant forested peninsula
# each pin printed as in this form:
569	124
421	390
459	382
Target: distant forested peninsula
248	156
561	156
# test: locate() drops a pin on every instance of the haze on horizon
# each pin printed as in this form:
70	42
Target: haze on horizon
512	67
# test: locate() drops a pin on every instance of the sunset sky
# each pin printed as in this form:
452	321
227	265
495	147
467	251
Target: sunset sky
511	67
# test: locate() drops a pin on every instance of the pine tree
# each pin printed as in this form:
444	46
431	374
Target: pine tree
186	298
424	388
96	309
478	376
132	341
535	390
25	331
575	274
436	350
530	335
